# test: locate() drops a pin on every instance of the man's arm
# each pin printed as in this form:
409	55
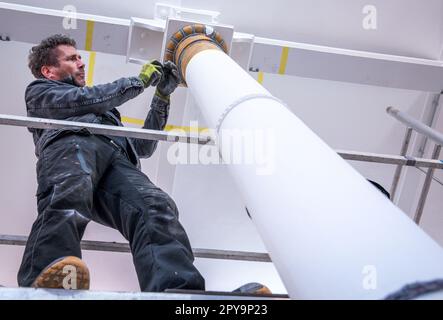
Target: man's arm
156	120
60	101
158	115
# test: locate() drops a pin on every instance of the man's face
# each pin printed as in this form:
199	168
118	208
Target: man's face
70	64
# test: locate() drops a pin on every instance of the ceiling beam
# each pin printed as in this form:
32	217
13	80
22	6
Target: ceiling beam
142	39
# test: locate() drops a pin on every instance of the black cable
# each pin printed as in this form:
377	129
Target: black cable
416	290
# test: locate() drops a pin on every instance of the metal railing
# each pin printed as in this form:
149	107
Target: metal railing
40	123
415	125
124	247
401	161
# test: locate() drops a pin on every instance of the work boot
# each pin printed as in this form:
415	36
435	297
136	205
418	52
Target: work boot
64	273
253	288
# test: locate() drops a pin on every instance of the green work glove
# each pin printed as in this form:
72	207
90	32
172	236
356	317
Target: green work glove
151	73
169	81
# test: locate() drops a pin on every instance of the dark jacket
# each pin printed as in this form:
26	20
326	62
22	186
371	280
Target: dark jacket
63	100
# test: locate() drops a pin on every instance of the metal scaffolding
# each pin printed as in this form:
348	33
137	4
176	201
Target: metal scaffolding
401	161
61	294
415	125
40	123
252	53
124	247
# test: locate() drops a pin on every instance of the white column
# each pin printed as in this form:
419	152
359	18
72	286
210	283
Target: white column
330	233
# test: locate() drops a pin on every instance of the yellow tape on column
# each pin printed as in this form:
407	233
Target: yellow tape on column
92	54
283	60
261	77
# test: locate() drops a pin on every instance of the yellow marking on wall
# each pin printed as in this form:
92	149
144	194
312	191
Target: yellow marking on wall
91	67
186	129
261	77
283	60
167	128
92	54
133	121
89	35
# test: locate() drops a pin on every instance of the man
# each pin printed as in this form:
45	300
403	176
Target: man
83	177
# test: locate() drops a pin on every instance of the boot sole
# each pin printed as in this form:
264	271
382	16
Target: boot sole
55	274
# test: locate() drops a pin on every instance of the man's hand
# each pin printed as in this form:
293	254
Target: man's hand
151	73
169	81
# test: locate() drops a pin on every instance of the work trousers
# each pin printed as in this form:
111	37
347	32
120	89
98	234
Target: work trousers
88	177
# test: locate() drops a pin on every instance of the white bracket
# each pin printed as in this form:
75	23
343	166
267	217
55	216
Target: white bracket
173	25
240	44
164	11
242	49
145	39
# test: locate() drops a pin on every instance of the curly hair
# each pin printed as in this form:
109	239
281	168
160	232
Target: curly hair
45	54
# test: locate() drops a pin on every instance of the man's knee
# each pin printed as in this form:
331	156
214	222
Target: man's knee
157	200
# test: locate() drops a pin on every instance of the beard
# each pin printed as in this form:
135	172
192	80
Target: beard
76	78
79	79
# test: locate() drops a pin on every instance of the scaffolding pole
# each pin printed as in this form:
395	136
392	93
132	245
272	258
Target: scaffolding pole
428	132
390	159
62	294
124	248
426	187
409	121
398	170
40	123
